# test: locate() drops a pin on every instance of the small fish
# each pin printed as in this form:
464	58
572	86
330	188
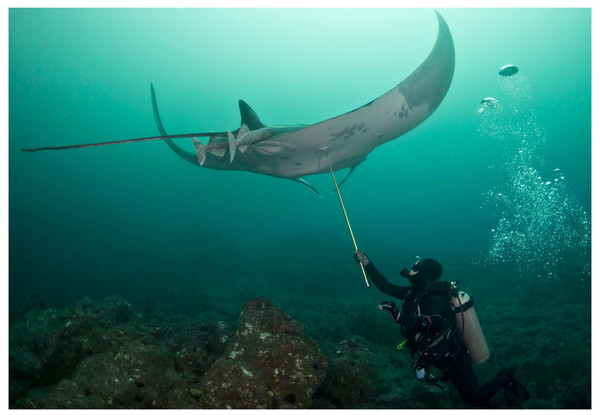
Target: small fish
216	146
252	137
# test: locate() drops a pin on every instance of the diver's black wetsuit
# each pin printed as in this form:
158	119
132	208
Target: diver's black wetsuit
459	369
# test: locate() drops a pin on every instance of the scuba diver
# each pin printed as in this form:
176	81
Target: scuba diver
440	325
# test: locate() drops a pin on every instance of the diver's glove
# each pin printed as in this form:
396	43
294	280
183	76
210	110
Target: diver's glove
361	257
405	272
391	308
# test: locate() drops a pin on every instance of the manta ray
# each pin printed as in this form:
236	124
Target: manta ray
296	151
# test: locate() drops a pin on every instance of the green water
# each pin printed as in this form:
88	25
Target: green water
136	220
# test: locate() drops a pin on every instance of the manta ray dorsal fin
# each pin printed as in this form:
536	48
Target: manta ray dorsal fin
249	117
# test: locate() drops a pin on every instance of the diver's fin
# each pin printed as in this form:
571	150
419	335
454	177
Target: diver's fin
515	393
200	150
307	184
249	117
232	146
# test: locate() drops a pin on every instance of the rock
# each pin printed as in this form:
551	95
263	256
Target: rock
104	355
32	302
138	376
271	363
426	396
196	345
351	374
47	344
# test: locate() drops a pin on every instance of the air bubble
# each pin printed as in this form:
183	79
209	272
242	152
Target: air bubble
540	223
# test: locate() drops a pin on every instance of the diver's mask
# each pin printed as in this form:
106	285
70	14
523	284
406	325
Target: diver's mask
416	267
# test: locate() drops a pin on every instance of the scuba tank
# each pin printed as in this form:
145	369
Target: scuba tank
469	326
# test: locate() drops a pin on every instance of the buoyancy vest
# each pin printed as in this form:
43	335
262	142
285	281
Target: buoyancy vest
432	344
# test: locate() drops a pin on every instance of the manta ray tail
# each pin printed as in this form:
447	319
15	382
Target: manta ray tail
191	157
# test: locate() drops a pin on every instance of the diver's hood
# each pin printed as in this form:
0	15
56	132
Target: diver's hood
428	271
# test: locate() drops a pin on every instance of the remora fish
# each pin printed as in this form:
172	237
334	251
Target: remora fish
296	151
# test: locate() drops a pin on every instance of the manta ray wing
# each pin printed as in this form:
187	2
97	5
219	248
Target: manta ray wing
350	137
